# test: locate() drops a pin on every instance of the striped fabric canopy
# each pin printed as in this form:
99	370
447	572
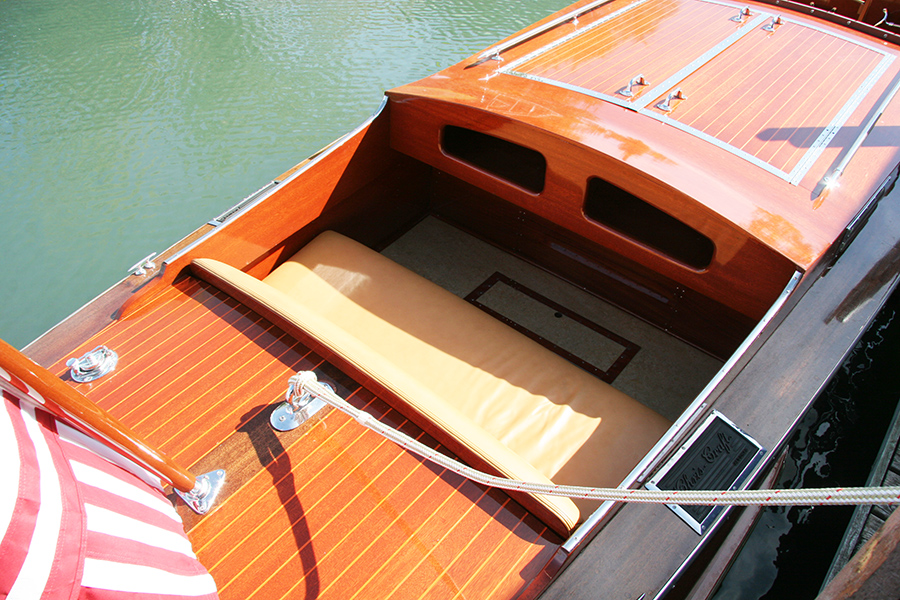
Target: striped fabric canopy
79	521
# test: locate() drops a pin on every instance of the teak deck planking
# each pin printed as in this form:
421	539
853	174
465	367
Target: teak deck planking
328	510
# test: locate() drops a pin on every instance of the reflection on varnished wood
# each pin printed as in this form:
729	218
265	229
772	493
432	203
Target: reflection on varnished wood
327	510
881	274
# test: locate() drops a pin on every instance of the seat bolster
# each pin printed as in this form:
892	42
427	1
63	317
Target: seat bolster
464	437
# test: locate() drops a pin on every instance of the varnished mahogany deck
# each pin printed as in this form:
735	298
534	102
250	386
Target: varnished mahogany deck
328	510
768	93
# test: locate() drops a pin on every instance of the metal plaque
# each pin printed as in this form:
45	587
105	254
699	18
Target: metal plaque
719	456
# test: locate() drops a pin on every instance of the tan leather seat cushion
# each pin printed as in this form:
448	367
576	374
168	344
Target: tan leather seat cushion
520	406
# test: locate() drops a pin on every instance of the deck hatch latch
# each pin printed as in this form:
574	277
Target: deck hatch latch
774	24
666	105
742	15
93	365
628	90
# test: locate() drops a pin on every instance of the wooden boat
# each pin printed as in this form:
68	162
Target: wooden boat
638	233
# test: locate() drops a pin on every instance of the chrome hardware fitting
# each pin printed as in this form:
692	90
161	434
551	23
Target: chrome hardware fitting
140	268
533	33
202	497
628	91
884	20
299	405
741	16
773	24
93	365
666	105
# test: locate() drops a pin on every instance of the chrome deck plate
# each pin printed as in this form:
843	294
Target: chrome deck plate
718	456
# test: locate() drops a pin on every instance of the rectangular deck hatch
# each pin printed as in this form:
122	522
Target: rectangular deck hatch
771	90
719	456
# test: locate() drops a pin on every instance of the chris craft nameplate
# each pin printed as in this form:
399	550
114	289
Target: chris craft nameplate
719	456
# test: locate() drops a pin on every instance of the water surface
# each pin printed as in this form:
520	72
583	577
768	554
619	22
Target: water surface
125	125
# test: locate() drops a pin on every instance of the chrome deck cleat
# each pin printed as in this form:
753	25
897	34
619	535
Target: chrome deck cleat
299	405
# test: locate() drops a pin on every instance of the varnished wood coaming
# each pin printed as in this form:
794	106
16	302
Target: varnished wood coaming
357	186
744	275
781	376
330	510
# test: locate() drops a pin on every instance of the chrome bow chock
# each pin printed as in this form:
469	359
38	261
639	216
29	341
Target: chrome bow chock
201	498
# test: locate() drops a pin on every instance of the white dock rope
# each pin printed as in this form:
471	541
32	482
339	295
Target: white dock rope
787	497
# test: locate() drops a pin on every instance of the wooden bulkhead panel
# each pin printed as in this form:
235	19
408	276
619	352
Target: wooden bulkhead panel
770	104
744	277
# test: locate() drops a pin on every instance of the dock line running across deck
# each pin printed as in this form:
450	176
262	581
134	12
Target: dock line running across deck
306	380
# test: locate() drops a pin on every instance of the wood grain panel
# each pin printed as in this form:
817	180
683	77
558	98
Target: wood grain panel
604	59
329	510
773	93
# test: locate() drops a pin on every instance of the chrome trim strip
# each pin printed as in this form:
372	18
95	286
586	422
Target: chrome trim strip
715	141
830	180
743	30
237	207
570	37
268	190
496	50
687	418
815	150
664	590
624	103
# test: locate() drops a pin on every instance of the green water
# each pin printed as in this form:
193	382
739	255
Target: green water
126	124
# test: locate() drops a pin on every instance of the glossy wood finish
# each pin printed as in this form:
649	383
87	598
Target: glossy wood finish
769	94
328	510
784	372
356	186
679	172
73	408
